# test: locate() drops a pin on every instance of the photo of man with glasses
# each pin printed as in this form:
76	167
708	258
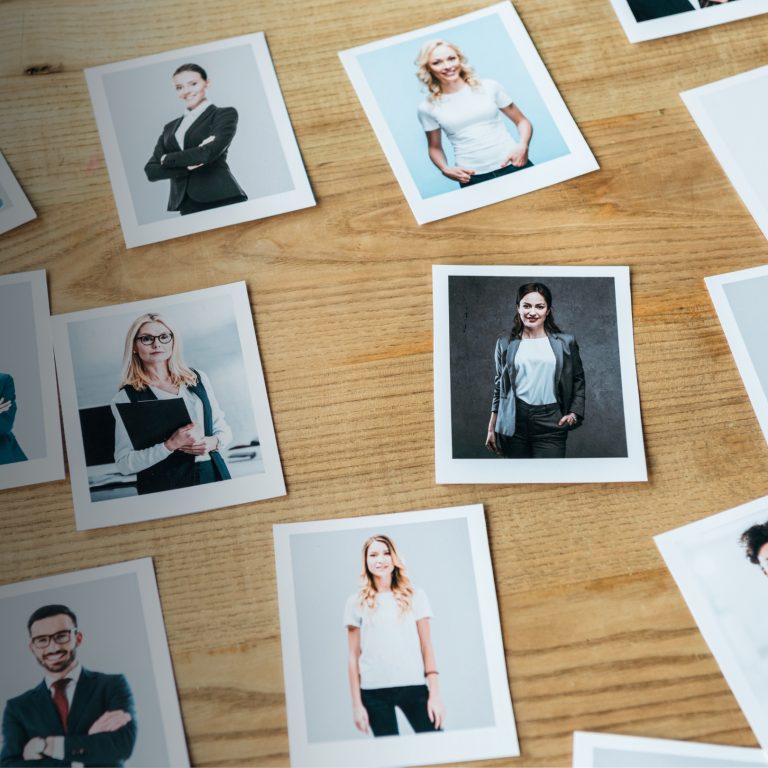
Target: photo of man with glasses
74	716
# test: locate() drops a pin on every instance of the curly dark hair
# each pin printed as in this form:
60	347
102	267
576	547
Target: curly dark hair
753	540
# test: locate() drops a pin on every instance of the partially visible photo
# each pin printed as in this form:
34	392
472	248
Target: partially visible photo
651	19
165	399
466	113
15	208
720	564
30	434
86	674
610	750
732	115
197	138
398	659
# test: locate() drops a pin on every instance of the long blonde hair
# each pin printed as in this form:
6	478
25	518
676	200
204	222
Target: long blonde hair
133	374
402	589
425	74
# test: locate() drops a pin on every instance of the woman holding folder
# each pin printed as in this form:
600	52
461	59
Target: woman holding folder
154	369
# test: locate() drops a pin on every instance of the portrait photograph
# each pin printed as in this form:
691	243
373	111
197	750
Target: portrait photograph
394	655
30	431
720	565
611	750
535	377
466	113
86	674
197	138
165	407
15	209
739	299
732	114
650	19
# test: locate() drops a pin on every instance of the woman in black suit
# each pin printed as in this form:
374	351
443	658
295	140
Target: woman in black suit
538	393
192	149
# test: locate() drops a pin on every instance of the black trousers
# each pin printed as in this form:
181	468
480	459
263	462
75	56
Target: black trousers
478	178
537	434
188	205
411	700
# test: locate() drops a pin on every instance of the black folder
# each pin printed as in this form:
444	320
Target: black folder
149	422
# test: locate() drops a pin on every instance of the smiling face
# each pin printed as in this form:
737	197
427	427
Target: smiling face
445	64
190	88
533	311
159	349
378	559
60	654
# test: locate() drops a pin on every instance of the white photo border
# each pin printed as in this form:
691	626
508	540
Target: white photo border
721	149
21	210
415	749
741	355
586	743
670	547
51	466
180	501
577	162
160	657
450	470
697	18
136	234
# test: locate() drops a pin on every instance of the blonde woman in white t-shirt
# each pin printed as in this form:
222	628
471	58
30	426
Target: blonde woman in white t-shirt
469	111
391	660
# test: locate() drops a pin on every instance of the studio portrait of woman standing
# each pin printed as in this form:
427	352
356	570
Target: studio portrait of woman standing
154	369
539	386
192	149
391	661
469	111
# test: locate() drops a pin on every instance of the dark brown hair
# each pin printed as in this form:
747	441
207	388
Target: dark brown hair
191	68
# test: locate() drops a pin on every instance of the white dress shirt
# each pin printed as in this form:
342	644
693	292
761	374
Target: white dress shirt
73	676
190	115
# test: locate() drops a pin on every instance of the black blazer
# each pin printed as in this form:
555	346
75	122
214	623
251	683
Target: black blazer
569	380
645	10
10	451
213	181
33	714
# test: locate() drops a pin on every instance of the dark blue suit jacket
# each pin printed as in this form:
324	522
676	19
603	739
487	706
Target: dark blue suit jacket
10	451
33	714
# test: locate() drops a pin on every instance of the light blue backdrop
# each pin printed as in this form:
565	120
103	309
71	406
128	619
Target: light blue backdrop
391	75
326	570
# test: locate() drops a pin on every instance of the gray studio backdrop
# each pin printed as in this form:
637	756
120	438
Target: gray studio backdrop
111	617
619	758
326	569
142	100
483	308
5	202
746	299
211	344
19	357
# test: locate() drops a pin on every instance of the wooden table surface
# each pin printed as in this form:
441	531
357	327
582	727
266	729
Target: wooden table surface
596	634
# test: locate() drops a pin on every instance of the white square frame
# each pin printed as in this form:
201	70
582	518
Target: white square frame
181	501
20	211
137	234
450	470
51	466
577	162
404	750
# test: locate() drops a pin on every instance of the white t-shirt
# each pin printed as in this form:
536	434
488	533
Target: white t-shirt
535	372
472	122
389	641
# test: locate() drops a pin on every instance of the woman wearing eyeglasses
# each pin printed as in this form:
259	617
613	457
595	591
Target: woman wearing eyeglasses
154	369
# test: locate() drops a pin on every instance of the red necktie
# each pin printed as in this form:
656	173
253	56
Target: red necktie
60	700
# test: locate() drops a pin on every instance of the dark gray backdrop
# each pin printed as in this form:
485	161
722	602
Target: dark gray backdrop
482	308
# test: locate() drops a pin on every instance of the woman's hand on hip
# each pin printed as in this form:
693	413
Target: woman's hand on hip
490	441
436	710
5	405
569	420
518	157
360	715
457	173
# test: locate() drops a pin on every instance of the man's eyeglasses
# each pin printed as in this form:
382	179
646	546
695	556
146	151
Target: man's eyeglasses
147	339
60	638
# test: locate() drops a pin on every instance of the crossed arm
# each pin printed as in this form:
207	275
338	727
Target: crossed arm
7	408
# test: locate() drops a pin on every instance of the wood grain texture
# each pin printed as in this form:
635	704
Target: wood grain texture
596	634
